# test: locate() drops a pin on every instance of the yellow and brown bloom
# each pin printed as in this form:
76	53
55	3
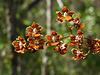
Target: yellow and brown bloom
94	45
34	31
20	45
77	23
53	39
73	40
66	15
79	54
77	40
61	48
35	45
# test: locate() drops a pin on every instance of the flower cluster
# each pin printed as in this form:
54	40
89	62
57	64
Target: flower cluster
93	44
54	39
77	40
79	54
35	40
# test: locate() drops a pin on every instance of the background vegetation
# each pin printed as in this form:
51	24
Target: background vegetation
16	15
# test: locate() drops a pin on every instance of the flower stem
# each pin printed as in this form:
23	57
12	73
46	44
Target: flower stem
64	37
69	27
85	46
91	39
87	53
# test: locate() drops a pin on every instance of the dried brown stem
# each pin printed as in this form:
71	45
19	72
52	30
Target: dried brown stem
64	37
91	39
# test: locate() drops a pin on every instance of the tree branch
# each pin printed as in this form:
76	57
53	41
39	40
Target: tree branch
31	5
60	3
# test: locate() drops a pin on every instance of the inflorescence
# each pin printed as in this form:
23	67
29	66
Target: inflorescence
36	41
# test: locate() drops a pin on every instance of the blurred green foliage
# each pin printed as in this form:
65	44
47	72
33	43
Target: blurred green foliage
29	63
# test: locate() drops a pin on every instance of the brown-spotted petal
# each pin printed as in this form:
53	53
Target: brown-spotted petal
77	20
15	43
30	29
49	37
35	25
71	13
65	9
53	33
59	14
80	32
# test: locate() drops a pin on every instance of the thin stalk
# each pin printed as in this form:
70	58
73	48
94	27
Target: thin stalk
87	53
64	37
91	39
69	27
85	46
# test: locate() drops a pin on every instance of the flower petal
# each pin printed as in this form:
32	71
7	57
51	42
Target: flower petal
35	25
53	33
65	9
